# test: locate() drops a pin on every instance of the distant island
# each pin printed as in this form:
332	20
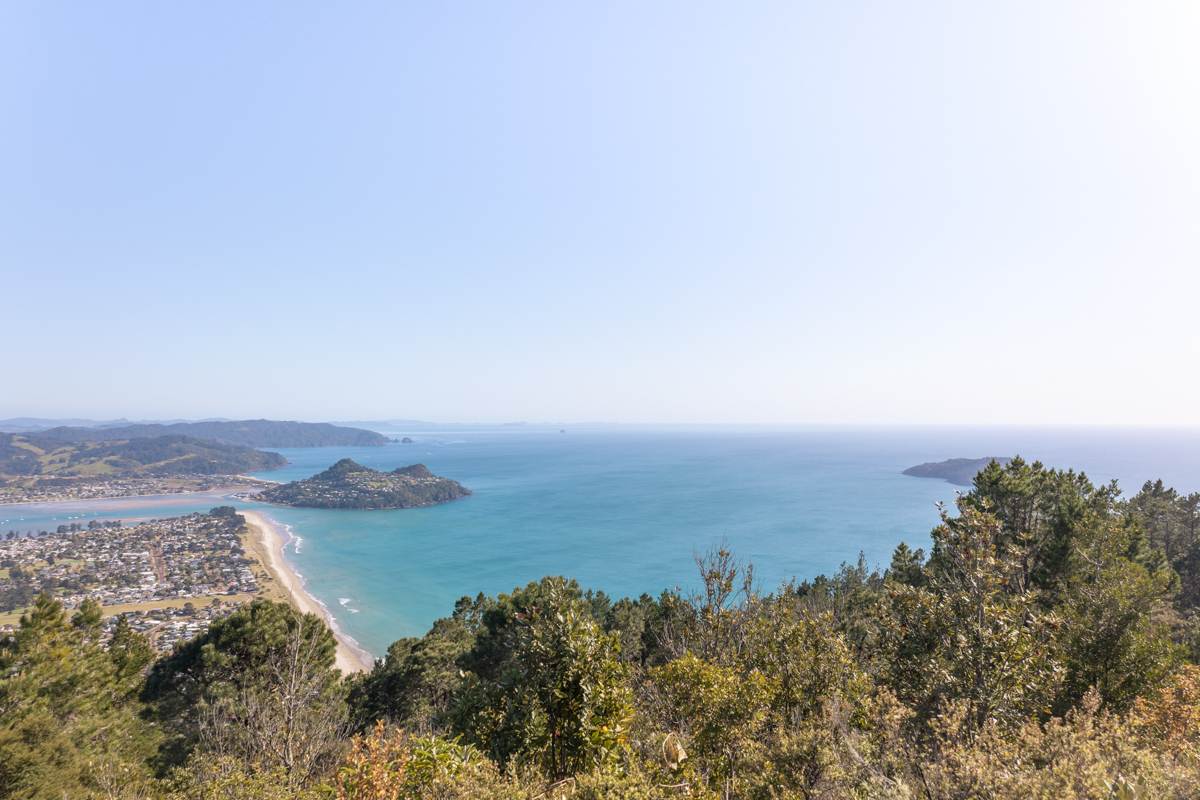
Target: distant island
959	471
246	433
348	484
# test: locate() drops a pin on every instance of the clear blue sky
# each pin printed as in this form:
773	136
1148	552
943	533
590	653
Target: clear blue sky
676	212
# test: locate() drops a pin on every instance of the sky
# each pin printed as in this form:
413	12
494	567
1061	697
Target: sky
687	212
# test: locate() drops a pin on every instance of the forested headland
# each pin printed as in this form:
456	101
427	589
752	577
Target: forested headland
348	484
244	433
1045	646
35	456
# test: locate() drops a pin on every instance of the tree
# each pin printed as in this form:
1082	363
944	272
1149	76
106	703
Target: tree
66	724
1039	512
88	618
1114	608
1172	524
719	711
546	684
396	766
415	682
973	634
258	686
907	566
130	654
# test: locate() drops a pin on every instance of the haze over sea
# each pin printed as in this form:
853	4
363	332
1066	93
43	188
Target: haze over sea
625	509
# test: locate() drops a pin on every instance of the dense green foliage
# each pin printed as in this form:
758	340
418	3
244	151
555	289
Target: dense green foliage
1043	648
259	686
69	722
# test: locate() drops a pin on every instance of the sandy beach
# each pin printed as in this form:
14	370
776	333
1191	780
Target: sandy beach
350	657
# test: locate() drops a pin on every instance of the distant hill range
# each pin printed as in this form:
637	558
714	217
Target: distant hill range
245	433
348	484
959	471
28	424
36	455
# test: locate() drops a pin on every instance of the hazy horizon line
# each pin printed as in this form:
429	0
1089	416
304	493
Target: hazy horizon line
350	420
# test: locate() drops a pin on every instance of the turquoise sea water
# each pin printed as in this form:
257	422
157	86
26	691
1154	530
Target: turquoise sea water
625	510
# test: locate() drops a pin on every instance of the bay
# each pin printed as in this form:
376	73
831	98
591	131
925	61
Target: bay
627	509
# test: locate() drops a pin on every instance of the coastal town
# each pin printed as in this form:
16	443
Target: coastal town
168	577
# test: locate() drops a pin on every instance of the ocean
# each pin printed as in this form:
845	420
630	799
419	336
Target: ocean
626	510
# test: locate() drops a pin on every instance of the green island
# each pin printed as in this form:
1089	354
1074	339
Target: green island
959	471
348	484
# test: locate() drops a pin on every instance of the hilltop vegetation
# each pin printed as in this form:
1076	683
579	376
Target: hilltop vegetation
1045	647
36	455
348	484
246	433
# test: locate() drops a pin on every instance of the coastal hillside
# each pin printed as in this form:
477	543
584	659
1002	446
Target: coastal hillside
32	456
31	424
246	433
959	471
988	667
348	484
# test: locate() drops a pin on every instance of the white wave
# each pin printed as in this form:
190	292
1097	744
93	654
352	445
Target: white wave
296	542
345	600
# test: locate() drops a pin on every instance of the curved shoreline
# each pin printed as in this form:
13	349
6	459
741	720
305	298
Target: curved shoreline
351	657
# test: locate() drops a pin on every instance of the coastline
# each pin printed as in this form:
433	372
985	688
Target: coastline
138	501
351	657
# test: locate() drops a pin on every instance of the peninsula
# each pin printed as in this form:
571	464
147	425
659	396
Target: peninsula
348	484
959	471
242	433
35	467
46	464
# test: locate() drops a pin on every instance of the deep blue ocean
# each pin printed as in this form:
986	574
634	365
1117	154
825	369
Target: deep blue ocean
626	509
